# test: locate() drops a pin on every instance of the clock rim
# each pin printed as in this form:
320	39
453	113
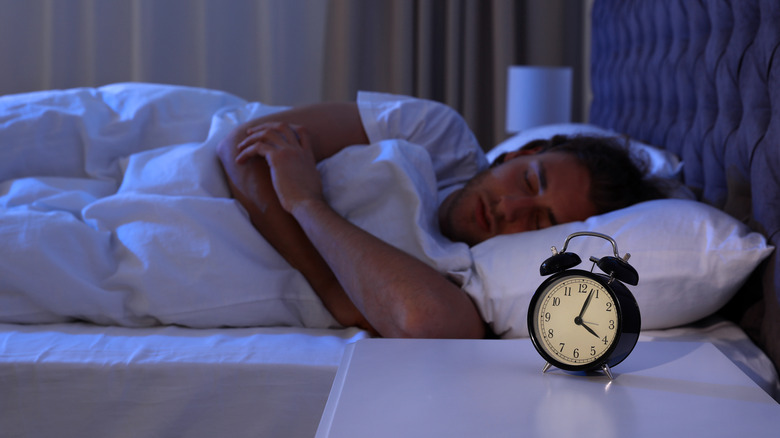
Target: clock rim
609	354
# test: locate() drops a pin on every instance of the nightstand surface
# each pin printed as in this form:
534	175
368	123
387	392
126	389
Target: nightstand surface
495	388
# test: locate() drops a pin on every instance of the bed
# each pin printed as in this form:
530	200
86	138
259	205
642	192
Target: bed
689	83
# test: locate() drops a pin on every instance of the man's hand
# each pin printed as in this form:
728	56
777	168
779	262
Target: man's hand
288	151
330	128
391	293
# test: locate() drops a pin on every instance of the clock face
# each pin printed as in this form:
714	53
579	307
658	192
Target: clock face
575	321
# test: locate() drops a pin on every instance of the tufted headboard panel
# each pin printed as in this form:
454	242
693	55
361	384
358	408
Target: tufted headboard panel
702	79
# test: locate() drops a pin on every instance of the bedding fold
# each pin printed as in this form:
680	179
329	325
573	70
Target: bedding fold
140	230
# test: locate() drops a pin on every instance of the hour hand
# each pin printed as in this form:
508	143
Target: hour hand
590	330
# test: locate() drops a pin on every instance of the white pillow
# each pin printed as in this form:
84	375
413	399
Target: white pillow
691	259
661	163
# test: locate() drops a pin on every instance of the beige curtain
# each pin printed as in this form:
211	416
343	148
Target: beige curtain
290	52
453	51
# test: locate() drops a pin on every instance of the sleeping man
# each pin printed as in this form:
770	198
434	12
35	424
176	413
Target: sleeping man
116	209
362	280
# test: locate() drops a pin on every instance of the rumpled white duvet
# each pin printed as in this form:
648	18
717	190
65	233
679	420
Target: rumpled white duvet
114	209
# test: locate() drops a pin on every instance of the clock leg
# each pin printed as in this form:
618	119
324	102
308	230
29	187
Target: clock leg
546	367
607	371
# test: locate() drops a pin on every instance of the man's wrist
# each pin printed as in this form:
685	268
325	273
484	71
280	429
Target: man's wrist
309	206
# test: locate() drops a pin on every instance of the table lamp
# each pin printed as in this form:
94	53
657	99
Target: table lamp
537	96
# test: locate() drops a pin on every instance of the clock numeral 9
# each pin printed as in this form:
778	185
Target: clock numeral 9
547	317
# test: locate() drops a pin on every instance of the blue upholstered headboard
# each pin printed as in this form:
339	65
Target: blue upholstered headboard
702	79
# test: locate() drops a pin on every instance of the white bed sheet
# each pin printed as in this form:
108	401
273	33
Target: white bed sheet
83	380
88	381
732	341
128	174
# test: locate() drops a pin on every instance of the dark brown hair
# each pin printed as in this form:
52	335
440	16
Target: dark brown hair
617	179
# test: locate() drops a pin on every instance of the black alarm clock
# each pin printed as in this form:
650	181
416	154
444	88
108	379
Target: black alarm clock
585	321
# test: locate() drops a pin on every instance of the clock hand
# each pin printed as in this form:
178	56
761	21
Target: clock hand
590	330
578	320
585	306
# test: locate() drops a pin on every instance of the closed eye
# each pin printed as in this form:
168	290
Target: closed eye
530	182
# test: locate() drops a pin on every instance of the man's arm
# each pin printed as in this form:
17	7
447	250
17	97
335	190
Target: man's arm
332	127
399	295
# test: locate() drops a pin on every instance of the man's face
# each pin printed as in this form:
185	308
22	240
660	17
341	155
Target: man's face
526	192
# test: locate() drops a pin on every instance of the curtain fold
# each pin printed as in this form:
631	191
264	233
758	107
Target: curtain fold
453	51
290	52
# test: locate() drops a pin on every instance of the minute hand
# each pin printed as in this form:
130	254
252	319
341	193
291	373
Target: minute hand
578	320
587	301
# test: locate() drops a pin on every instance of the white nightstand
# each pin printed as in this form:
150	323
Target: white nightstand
495	388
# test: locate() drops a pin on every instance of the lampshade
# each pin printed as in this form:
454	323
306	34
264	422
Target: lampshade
537	96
